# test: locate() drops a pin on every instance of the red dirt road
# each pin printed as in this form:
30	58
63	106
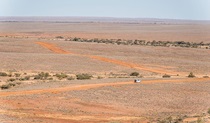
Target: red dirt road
90	86
58	50
19	112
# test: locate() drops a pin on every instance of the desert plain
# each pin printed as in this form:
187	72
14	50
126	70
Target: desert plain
32	48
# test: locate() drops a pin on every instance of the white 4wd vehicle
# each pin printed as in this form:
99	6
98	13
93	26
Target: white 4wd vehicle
137	80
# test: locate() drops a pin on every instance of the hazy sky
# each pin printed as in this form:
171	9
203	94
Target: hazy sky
174	9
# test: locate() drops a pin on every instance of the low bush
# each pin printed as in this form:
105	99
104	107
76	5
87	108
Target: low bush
5	86
9	85
59	37
205	76
17	74
11	80
208	111
191	75
12	84
99	77
83	76
61	76
166	76
70	78
50	78
134	74
27	77
42	76
3	74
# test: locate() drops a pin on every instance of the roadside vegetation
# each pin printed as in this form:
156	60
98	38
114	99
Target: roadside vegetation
3	74
184	44
83	76
11	79
191	75
134	74
166	76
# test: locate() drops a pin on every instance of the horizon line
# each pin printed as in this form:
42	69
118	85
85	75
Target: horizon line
180	19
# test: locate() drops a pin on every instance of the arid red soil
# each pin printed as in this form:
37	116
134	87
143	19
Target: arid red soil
32	48
30	104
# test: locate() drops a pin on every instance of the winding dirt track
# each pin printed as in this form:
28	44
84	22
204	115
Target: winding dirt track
58	50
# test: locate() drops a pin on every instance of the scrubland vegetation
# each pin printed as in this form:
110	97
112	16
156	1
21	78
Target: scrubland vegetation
184	44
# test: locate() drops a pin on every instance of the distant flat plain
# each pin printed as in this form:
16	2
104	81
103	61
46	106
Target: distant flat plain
108	28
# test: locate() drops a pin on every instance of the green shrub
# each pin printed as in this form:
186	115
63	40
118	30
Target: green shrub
5	87
42	76
27	77
17	74
208	111
12	84
61	76
50	78
3	74
22	79
166	76
11	80
134	74
83	76
59	37
9	85
191	75
99	77
36	77
9	75
70	78
205	76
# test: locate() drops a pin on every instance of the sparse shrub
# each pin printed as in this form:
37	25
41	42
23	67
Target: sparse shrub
134	74
17	74
11	80
18	83
205	76
9	75
99	77
191	75
37	77
61	76
208	111
59	37
21	79
3	74
27	77
166	120
5	87
70	78
83	76
42	76
12	84
9	85
76	39
166	76
50	78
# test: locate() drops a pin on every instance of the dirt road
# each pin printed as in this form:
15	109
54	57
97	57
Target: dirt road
58	50
90	86
18	105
